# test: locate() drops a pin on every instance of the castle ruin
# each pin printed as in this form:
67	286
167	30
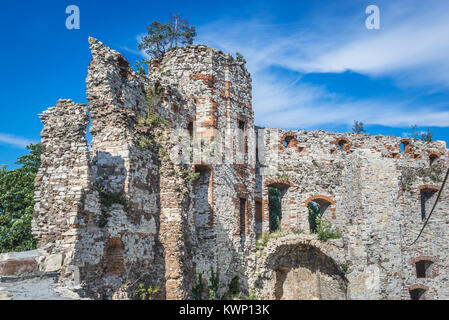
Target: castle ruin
175	181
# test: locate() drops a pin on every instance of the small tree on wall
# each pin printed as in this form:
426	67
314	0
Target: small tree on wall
358	127
161	37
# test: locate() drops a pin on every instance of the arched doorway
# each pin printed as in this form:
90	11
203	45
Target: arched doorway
304	272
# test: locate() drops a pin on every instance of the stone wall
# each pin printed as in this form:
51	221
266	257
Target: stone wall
371	191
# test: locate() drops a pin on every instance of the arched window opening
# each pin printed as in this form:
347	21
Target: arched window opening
424	269
316	209
417	294
433	158
342	144
289	142
428	196
404	146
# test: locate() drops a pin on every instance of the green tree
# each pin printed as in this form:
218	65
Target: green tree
427	136
274	206
358	127
239	57
424	136
164	37
17	202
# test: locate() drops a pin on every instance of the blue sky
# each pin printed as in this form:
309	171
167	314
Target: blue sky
314	64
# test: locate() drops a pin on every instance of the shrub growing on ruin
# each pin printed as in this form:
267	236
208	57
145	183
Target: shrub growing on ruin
107	199
214	285
198	289
324	229
239	57
17	202
147	293
253	295
424	136
162	38
234	287
358	127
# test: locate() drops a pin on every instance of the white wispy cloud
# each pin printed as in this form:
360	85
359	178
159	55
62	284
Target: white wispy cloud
410	48
14	141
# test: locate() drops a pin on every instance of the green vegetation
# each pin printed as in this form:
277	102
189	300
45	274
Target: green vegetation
425	136
17	202
192	176
358	127
263	239
139	69
162	38
239	57
198	289
107	199
214	284
234	288
344	268
253	295
146	293
320	226
324	230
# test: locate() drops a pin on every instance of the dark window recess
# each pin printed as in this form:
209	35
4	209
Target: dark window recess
417	294
190	129
242	133
423	269
341	144
258	216
426	194
242	219
288	141
432	159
